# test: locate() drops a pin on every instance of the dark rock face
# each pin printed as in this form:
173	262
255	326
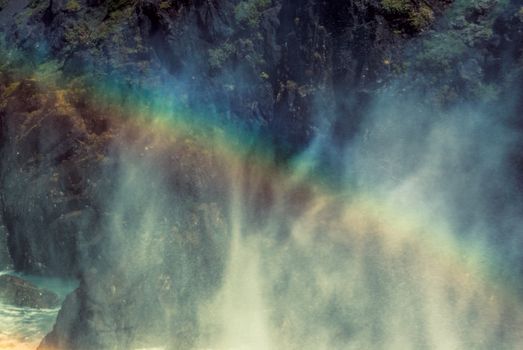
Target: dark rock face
272	64
6	262
5	258
468	54
18	292
119	234
47	157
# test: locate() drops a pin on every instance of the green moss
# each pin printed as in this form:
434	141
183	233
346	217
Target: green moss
48	71
249	12
116	5
396	6
164	5
80	33
72	5
219	55
421	18
442	51
416	16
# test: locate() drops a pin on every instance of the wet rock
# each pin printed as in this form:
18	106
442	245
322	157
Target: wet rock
19	292
296	60
47	155
66	216
5	259
293	57
66	322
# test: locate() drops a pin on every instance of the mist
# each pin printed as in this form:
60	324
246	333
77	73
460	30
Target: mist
413	250
395	223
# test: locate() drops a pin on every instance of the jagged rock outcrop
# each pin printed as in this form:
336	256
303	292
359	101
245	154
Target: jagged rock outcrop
18	292
81	197
273	64
48	157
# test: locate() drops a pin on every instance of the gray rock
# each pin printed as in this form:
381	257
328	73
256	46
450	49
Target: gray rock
5	258
19	292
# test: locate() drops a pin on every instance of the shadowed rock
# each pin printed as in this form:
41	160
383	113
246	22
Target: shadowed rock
5	258
16	291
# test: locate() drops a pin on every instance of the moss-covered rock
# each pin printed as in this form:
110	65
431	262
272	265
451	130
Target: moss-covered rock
409	16
249	12
452	63
72	5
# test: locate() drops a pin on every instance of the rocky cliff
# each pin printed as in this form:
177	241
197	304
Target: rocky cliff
280	71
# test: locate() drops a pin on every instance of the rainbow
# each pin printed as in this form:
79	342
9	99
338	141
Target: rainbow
469	269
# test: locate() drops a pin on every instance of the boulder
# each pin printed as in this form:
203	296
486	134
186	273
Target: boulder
19	292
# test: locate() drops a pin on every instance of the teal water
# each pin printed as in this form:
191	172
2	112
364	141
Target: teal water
23	327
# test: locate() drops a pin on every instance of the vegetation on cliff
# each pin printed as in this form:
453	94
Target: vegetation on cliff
81	85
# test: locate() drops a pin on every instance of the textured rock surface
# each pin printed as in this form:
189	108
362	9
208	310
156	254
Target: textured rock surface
18	292
47	157
271	63
5	258
67	216
287	69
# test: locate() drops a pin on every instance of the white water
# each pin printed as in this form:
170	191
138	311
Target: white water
23	327
239	316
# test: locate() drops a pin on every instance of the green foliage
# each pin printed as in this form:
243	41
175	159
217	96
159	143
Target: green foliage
78	34
396	6
115	5
72	5
164	5
219	55
489	8
445	49
421	18
445	58
441	52
249	12
417	16
48	71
